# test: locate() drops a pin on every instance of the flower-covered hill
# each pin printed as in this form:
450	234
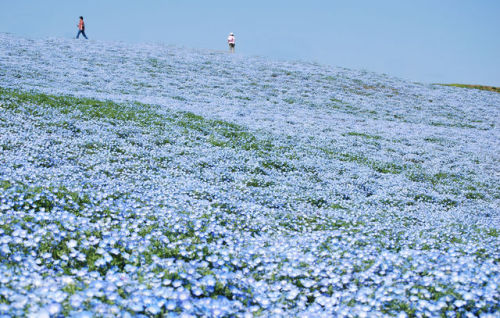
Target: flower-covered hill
146	180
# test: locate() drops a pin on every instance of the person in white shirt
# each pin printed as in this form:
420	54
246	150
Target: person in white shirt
231	41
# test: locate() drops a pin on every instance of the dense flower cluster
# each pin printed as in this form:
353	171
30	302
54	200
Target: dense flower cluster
149	180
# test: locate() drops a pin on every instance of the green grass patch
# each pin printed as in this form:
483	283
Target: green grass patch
493	232
379	166
89	108
221	133
435	179
279	165
382	167
474	196
481	87
423	198
337	206
353	133
258	183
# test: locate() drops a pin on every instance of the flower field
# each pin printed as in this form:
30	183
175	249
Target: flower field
148	180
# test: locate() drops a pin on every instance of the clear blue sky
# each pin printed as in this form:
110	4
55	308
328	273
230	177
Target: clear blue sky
444	41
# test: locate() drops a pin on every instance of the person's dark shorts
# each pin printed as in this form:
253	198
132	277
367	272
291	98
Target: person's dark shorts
231	45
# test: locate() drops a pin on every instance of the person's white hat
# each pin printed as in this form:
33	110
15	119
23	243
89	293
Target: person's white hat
231	33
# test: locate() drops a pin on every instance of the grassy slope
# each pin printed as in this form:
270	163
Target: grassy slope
356	202
481	87
220	135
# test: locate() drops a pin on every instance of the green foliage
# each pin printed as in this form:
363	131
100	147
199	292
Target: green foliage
180	98
474	195
396	306
4	184
146	230
72	288
434	179
222	133
161	250
282	166
337	206
353	133
493	232
423	198
202	195
481	87
317	202
434	140
382	167
222	290
88	108
448	203
258	183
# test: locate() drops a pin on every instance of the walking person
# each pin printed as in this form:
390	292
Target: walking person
231	41
81	29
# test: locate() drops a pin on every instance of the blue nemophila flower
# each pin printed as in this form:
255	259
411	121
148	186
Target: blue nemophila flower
171	305
82	314
43	313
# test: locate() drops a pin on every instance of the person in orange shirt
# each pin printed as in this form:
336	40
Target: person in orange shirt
81	29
